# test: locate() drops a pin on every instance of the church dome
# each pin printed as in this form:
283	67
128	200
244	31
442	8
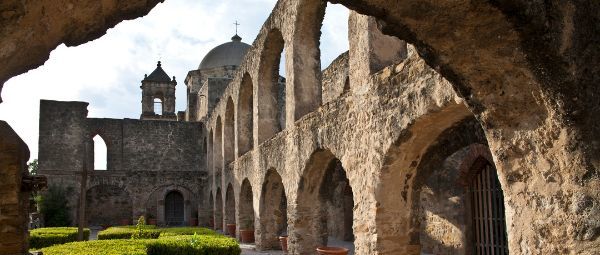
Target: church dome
227	54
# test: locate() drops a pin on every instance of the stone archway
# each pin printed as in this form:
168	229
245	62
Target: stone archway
273	212
268	103
218	210
439	207
245	116
228	134
325	205
211	205
108	205
229	208
246	207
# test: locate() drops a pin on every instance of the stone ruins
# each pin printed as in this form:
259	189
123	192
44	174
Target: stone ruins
449	127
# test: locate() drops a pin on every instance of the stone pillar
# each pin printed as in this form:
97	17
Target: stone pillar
15	184
370	50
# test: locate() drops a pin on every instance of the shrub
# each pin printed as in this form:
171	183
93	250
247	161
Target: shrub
186	231
194	245
44	237
211	244
54	206
124	232
99	247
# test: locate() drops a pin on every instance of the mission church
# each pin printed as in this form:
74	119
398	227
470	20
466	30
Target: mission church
156	166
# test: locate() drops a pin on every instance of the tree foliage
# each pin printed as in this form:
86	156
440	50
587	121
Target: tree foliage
54	206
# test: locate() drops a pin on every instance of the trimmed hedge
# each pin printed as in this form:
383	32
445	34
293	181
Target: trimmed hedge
45	237
205	244
99	247
178	231
125	232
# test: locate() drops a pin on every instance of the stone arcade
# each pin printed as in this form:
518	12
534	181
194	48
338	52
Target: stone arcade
488	114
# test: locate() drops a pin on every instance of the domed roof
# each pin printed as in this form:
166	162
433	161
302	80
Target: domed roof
227	54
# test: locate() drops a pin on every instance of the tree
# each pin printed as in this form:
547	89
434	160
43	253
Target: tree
33	167
54	206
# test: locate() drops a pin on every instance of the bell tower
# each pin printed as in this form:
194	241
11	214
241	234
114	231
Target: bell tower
158	95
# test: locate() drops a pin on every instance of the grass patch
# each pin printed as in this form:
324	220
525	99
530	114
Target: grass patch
45	237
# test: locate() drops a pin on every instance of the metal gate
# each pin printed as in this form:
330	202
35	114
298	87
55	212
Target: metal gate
488	221
174	209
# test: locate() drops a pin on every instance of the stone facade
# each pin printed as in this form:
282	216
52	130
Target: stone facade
145	158
510	83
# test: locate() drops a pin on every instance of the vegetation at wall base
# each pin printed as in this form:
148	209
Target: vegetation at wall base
46	237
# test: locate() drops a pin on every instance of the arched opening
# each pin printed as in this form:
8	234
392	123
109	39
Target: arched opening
211	211
228	133
438	193
158	106
271	88
100	153
218	152
334	52
334	33
174	209
210	158
273	212
230	210
246	213
245	113
418	195
219	210
324	205
487	215
108	205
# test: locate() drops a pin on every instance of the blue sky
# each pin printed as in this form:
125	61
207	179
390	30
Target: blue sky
107	72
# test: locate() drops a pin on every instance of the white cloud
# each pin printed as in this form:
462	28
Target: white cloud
107	72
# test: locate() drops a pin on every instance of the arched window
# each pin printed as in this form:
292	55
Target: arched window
100	153
158	106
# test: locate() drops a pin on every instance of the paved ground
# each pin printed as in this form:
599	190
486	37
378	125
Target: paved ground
248	249
94	232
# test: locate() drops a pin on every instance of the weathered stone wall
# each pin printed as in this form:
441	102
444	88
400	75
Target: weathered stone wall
14	198
143	158
62	135
335	78
108	205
